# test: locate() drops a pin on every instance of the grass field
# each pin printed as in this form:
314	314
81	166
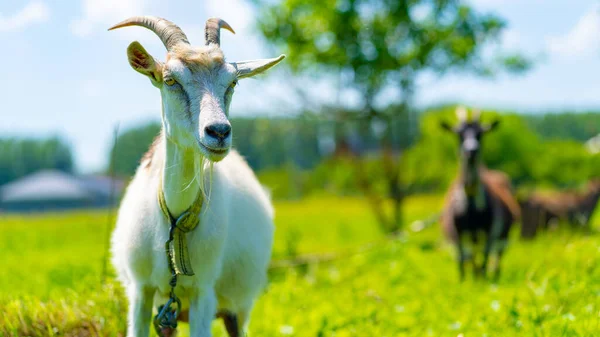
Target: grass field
51	282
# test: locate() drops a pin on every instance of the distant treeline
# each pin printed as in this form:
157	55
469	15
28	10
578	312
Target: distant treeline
266	143
21	156
272	143
296	154
532	150
574	126
429	163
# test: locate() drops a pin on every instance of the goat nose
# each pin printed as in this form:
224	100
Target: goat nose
470	145
218	131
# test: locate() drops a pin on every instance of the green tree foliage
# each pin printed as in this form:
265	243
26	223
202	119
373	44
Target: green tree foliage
131	146
567	125
432	162
383	44
273	143
290	159
514	148
265	143
564	164
22	156
380	42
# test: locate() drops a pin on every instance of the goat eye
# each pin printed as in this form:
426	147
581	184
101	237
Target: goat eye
229	90
169	81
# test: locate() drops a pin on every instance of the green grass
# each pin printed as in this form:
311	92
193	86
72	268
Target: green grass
51	284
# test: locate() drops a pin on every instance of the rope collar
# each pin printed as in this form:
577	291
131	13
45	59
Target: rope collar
177	250
165	322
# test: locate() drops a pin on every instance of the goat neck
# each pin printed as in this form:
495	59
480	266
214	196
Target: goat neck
182	177
469	177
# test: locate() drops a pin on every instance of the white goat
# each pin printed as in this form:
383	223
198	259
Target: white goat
230	249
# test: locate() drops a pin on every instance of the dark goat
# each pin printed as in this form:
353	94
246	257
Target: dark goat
540	211
479	204
587	203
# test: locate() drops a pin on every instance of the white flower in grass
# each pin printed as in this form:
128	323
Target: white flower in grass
286	330
455	325
495	305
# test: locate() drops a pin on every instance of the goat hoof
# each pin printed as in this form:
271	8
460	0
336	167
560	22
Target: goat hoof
168	332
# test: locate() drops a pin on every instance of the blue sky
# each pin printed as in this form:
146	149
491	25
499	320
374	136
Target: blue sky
63	73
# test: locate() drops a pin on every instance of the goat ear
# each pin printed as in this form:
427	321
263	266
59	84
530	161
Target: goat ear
445	126
492	126
144	63
255	67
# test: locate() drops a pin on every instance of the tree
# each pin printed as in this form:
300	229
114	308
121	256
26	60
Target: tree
22	156
131	146
567	125
381	44
281	140
514	148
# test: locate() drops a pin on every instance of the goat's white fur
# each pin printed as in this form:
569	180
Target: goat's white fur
231	247
229	250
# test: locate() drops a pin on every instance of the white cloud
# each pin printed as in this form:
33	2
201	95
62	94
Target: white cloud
98	15
34	12
582	40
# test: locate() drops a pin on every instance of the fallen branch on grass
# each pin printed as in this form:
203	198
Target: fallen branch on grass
308	259
303	260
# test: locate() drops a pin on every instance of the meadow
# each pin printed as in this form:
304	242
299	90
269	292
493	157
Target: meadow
51	283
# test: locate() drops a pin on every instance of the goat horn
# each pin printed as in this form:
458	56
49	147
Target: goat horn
461	113
476	114
168	32
212	32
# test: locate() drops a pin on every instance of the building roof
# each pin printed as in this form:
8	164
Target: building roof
56	185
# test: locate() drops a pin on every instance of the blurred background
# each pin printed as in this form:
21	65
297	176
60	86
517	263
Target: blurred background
345	133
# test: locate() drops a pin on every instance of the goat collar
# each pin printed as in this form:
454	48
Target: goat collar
177	249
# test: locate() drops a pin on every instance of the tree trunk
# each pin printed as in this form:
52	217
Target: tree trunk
375	202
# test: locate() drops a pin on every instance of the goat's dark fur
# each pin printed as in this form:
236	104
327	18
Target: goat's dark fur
479	204
541	210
